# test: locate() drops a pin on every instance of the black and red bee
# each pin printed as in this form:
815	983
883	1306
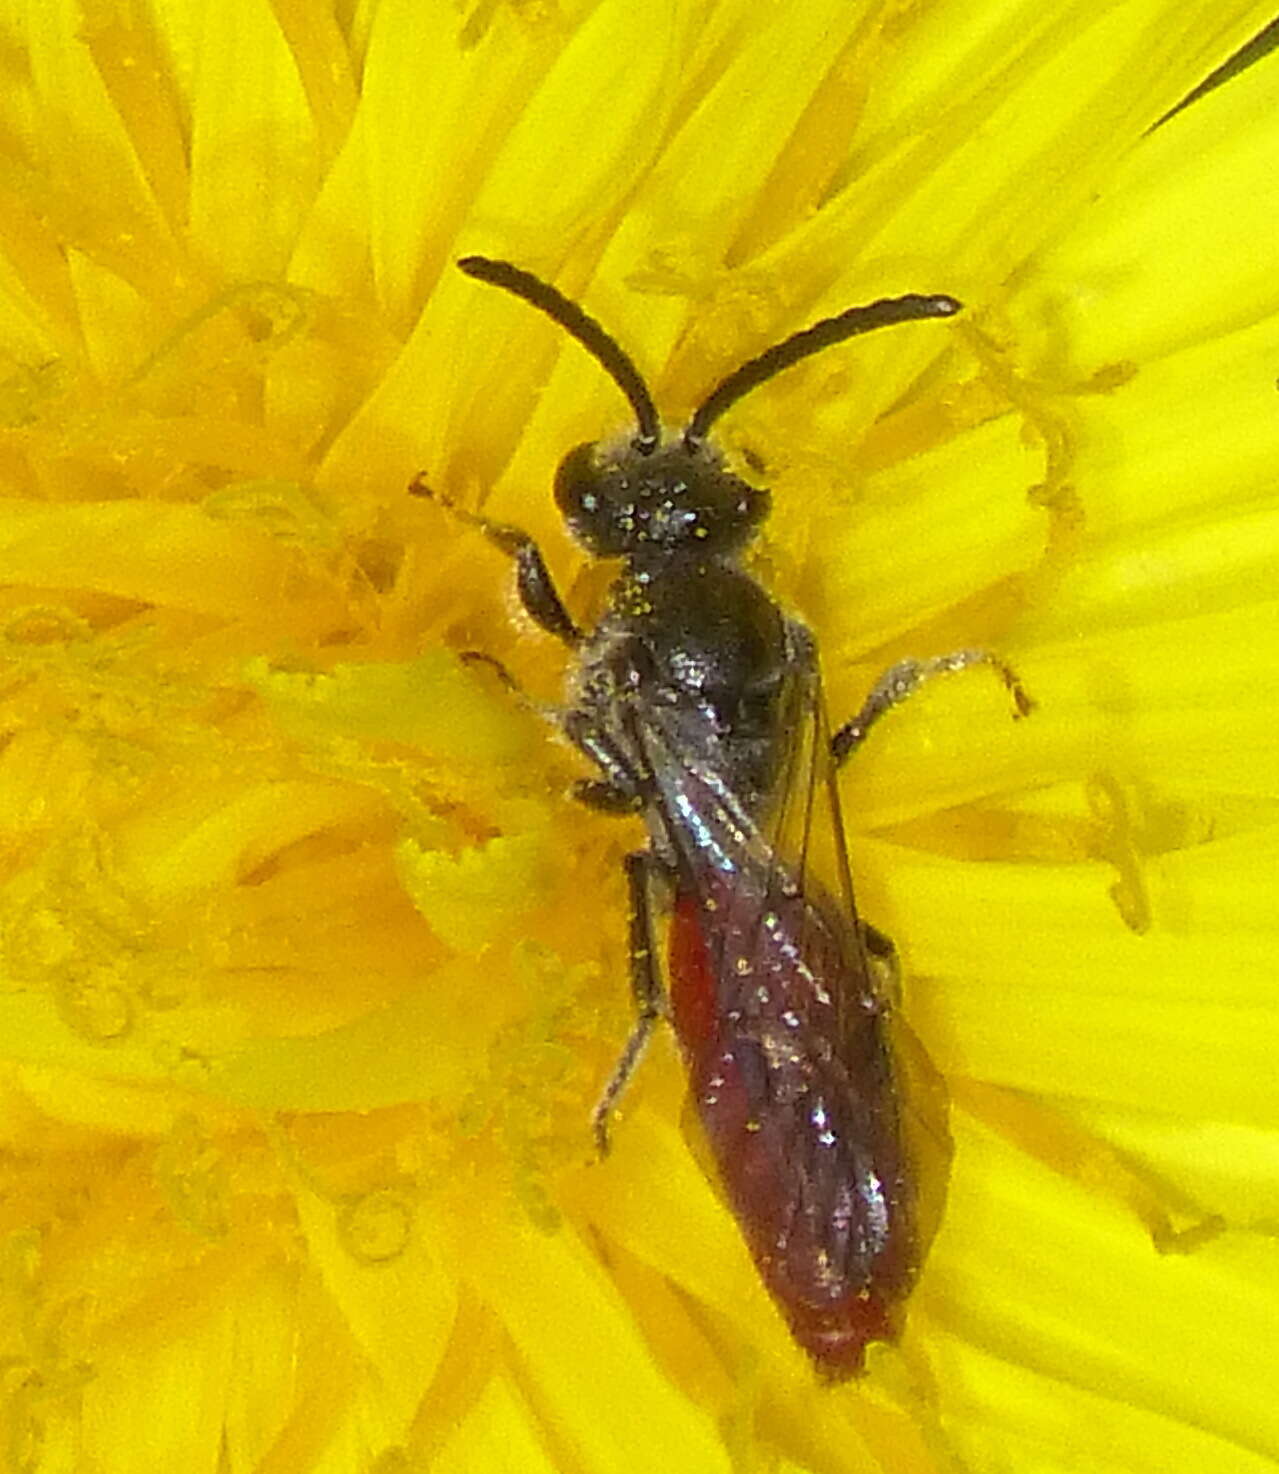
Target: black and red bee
700	703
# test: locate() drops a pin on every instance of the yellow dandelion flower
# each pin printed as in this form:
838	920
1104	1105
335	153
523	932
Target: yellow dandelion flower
312	970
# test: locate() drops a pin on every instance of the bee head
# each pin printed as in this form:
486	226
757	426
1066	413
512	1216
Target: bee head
626	500
650	495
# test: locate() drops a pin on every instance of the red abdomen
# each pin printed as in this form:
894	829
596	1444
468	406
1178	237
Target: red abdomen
789	1063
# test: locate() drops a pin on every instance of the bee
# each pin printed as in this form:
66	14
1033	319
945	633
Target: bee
698	701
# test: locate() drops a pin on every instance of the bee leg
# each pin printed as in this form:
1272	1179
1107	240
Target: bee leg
533	581
551	715
620	790
509	682
606	797
491	662
646	988
884	962
905	678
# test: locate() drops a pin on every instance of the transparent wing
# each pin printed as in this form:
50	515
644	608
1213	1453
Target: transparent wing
785	1038
783	844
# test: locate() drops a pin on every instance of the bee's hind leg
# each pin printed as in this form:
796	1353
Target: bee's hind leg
646	989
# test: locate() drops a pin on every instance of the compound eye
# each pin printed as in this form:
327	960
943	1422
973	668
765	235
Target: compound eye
579	486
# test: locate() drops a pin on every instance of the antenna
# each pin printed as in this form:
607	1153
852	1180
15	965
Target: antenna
603	348
823	334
